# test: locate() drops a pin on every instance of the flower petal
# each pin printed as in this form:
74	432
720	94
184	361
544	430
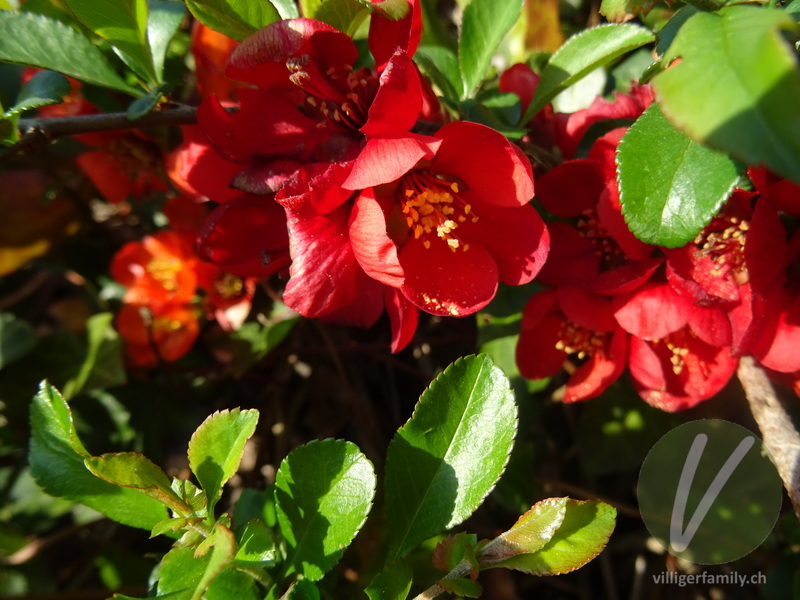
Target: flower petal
246	237
494	170
444	282
652	311
197	170
384	160
404	317
387	35
261	58
324	275
266	123
515	236
372	246
396	106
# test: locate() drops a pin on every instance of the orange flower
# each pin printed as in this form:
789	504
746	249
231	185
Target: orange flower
153	335
159	270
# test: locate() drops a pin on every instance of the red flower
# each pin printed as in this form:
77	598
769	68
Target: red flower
156	333
598	253
571	324
312	105
679	352
679	370
443	219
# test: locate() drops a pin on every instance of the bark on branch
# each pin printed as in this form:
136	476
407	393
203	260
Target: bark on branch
777	430
37	133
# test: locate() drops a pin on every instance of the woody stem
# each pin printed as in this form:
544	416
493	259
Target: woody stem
777	430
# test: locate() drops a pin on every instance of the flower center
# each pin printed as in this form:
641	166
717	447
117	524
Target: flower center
723	242
164	271
162	325
574	339
228	286
433	206
676	350
605	247
340	97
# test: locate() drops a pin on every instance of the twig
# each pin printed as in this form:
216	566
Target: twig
777	430
37	133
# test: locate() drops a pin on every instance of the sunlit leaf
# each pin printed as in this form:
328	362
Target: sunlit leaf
132	470
235	18
670	186
583	534
580	55
483	27
123	24
530	533
737	85
323	494
165	19
57	463
444	461
37	41
216	449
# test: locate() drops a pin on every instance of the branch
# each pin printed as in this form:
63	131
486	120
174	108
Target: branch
777	429
37	133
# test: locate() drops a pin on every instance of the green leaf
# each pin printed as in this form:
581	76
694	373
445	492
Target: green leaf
235	18
309	7
582	535
580	55
445	460
440	65
123	24
17	338
165	19
221	557
666	35
180	572
530	533
103	366
323	494
484	25
46	87
132	470
57	463
286	8
393	583
624	10
737	86
141	106
344	15
256	546
37	41
233	584
216	449
670	186
303	590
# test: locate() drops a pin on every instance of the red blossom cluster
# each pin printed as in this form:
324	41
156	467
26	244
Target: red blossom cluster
358	188
677	318
159	317
327	180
